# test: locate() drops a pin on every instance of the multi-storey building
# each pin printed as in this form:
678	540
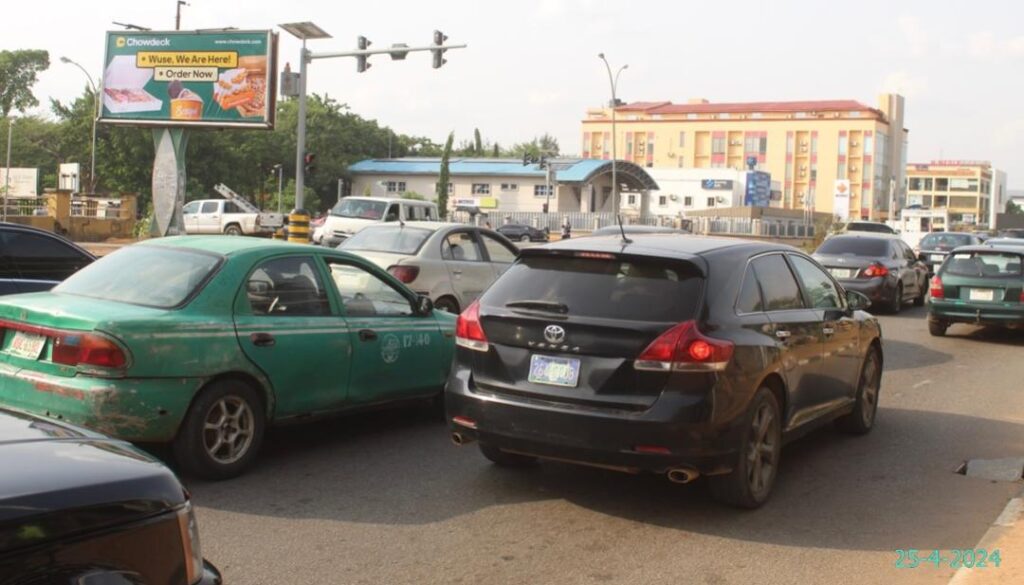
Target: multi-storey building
814	148
972	191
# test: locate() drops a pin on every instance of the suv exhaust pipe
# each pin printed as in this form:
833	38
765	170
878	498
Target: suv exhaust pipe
460	439
682	475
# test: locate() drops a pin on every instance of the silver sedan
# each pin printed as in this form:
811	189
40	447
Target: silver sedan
451	263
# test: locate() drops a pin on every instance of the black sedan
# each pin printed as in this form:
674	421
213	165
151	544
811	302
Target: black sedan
934	247
33	260
883	268
663	353
520	232
78	508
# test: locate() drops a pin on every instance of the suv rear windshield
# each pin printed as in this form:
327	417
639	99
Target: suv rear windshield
992	264
360	208
951	240
624	288
169	275
396	239
854	247
879	228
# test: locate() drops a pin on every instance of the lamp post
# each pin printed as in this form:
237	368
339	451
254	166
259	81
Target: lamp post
613	81
96	100
280	184
7	169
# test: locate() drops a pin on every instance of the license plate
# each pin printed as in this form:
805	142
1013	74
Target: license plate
937	257
27	345
554	371
981	294
841	272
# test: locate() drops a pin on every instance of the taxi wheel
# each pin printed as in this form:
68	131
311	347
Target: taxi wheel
448	305
506	459
222	432
937	328
750	482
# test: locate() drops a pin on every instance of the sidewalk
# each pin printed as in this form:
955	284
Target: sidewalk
1007	535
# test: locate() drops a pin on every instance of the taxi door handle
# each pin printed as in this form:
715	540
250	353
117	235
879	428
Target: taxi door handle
367	335
828	330
782	334
262	339
456	272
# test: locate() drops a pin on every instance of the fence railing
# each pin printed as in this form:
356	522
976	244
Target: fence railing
25	206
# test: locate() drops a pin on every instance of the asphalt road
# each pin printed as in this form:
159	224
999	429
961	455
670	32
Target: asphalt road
385	498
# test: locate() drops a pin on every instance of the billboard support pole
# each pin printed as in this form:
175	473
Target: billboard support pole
7	173
300	149
168	181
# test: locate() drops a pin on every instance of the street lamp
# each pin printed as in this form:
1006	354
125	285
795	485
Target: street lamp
96	100
613	81
280	184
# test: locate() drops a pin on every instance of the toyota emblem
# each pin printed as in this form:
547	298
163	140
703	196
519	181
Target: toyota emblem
554	334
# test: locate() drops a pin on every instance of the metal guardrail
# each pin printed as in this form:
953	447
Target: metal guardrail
25	207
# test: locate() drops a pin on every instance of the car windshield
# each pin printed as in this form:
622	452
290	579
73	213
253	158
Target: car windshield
170	275
948	240
394	239
360	209
984	264
635	290
854	247
869	227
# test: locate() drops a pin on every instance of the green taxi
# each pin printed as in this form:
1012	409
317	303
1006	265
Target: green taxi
981	285
201	342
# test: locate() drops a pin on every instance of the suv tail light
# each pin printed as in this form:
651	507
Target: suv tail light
468	331
935	289
404	274
684	348
874	270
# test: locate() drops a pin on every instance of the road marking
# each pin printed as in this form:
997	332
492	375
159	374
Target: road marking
922	383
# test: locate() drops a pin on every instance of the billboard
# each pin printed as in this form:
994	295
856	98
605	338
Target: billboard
841	200
217	78
22	182
759	189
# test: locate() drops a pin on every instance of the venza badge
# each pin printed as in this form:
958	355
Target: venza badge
554	334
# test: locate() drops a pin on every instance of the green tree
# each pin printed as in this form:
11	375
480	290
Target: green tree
540	145
443	178
496	151
18	73
478	143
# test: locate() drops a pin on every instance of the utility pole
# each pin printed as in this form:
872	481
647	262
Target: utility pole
308	30
613	81
7	174
280	184
177	16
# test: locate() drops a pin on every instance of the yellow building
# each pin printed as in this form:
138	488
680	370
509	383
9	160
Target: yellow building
970	190
814	149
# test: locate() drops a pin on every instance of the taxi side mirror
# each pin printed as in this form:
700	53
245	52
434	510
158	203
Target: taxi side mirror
424	306
857	301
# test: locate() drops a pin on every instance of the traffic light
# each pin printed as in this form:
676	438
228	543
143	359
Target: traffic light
361	60
308	161
439	39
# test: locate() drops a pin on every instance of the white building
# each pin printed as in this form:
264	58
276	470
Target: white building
681	191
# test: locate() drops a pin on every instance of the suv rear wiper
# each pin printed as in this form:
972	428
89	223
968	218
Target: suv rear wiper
547	306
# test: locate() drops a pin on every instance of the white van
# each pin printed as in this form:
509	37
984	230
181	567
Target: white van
352	214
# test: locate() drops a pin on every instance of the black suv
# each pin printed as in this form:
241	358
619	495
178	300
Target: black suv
664	353
522	233
33	260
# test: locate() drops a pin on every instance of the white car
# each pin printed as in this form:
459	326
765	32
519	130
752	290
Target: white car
220	216
453	264
352	214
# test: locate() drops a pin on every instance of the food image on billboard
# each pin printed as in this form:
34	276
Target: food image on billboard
220	78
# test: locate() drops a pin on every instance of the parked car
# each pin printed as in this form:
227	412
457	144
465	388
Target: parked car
520	232
980	285
220	216
675	355
33	259
352	214
77	507
882	267
317	225
201	342
1001	241
450	263
868	226
934	247
1012	233
611	230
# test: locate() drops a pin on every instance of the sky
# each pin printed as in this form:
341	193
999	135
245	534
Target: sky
532	67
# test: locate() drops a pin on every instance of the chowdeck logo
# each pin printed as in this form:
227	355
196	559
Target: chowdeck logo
133	42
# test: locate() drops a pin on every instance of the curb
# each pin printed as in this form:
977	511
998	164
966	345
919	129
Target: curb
1007	535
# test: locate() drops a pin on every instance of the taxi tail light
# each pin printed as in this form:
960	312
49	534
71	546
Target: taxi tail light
685	348
935	289
86	349
469	333
875	270
404	274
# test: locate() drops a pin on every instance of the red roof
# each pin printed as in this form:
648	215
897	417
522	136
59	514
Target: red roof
748	107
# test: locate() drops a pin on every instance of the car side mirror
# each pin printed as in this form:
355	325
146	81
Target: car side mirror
857	301
424	306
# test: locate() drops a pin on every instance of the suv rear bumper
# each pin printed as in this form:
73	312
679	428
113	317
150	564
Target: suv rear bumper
598	437
1001	314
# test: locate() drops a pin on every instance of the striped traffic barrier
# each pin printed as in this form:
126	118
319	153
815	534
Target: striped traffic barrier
298	226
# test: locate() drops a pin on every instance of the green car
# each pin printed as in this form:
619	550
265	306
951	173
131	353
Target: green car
201	342
981	285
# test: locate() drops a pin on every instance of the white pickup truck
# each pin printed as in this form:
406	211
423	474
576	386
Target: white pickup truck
220	216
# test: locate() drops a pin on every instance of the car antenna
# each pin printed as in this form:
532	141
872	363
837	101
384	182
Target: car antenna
625	240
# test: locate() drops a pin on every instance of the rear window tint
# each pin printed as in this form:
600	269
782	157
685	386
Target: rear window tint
983	264
854	247
628	289
951	240
869	227
396	239
781	291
